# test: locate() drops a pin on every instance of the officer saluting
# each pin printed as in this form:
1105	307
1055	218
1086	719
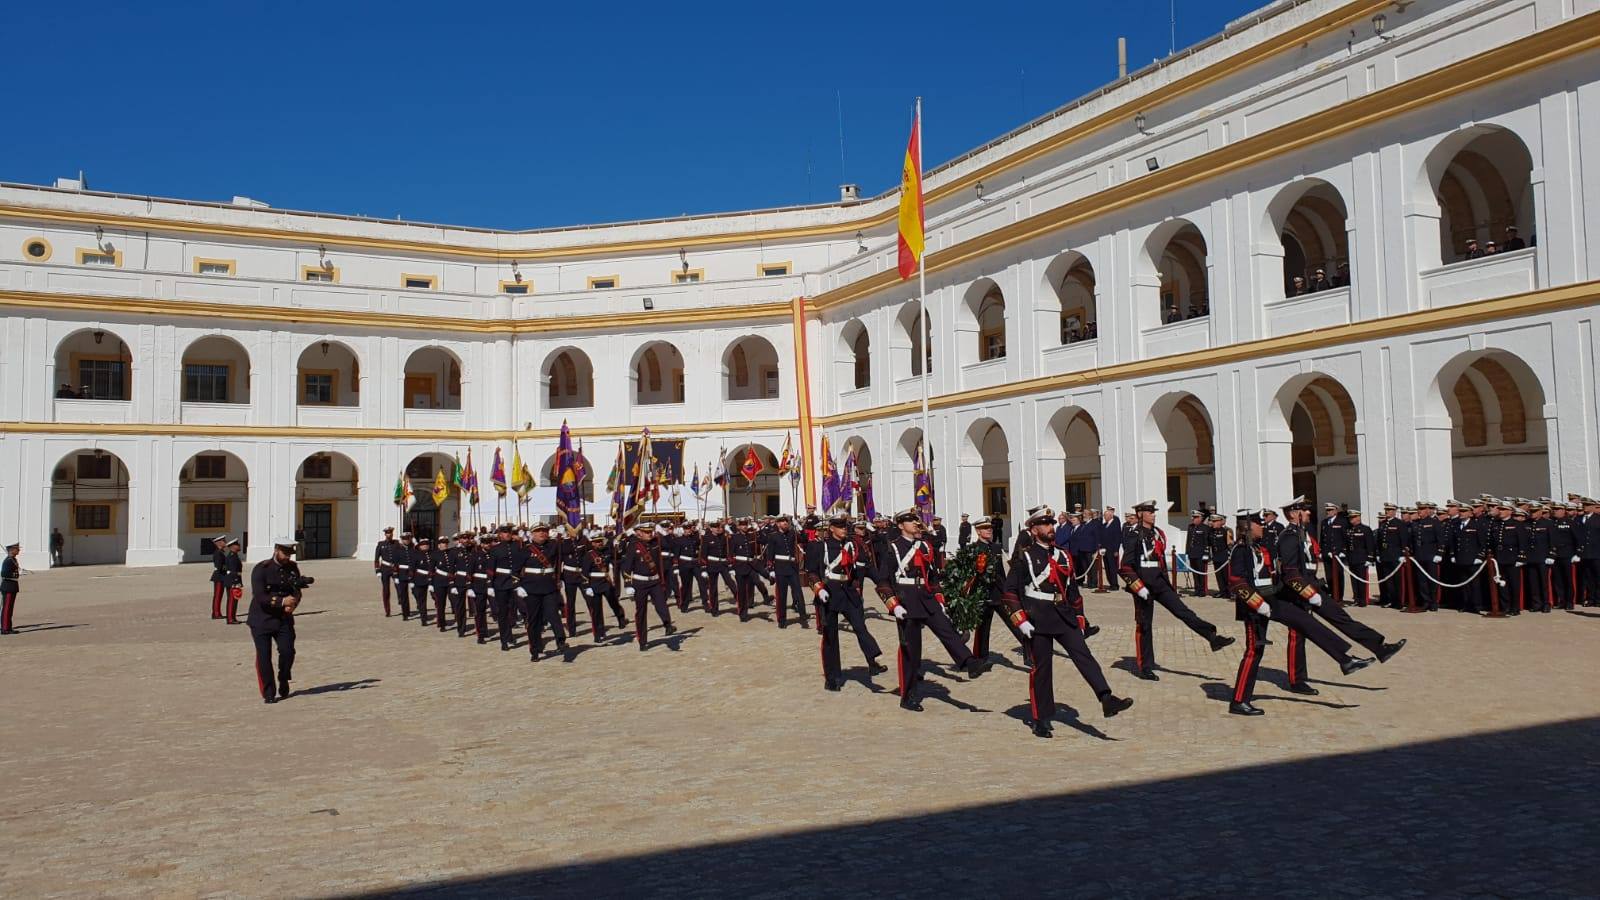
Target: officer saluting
916	601
275	585
1038	597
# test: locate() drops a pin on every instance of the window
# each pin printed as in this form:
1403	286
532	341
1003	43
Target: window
994	346
689	276
996	498
419	282
36	249
91	518
992	327
421	467
205	382
213	266
103	379
318	466
209	517
316	389
94	465
1077	494
772	270
515	287
210	467
98	257
320	274
602	282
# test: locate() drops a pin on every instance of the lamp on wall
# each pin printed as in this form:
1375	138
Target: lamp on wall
99	336
861	243
322	258
683	257
1379	23
1139	123
324	348
516	273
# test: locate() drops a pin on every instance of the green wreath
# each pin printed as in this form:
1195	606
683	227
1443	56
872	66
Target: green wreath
966	589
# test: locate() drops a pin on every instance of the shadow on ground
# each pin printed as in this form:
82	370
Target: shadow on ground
1488	814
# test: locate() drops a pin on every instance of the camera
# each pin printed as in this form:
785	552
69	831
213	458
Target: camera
300	582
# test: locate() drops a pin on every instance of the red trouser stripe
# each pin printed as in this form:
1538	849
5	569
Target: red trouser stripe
1138	647
216	598
8	605
822	643
1033	697
900	669
1292	642
1245	664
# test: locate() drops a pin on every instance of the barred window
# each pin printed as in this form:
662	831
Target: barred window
205	383
104	379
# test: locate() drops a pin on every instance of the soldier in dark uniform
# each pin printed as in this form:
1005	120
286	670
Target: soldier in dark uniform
1427	554
938	537
1219	549
1297	571
383	566
1271	527
991	566
1037	597
1536	558
1144	575
1393	537
571	549
596	587
10	577
1360	550
684	545
1255	589
830	573
716	549
274	594
541	593
233	580
1587	531
785	560
642	567
421	576
916	603
480	570
442	568
1332	542
506	559
1468	550
402	574
459	558
1197	547
745	552
219	555
1563	559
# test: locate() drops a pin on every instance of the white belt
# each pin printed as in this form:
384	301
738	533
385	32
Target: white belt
461	572
597	575
404	566
782	557
1039	595
385	562
483	575
502	571
644	578
913	582
1265	582
538	571
685	558
742	558
713	559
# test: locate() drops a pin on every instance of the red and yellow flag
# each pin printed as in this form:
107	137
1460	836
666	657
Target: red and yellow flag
911	200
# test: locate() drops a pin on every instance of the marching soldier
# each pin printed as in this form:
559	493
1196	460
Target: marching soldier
540	593
715	551
745	552
383	566
684	545
1297	571
644	569
917	603
233	580
402	574
1144	575
989	561
1197	547
460	558
597	586
506	558
10	575
572	550
442	567
274	595
1037	599
1427	554
219	556
784	559
1393	536
421	576
829	564
1361	547
480	567
1255	589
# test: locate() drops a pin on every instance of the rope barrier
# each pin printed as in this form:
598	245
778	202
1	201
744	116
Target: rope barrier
1470	578
1373	581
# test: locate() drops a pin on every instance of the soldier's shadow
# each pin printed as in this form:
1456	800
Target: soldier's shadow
1127	664
675	642
1216	690
1065	714
48	626
338	687
864	677
935	691
1281	680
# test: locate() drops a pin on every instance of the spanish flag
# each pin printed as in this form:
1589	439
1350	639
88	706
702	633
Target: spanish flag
911	199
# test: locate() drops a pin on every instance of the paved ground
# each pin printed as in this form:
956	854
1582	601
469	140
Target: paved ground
139	760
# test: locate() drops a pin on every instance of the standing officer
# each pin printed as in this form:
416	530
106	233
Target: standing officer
784	559
1468	551
1393	535
1427	554
1562	562
540	592
422	575
916	602
830	568
1220	548
219	562
715	551
1144	575
1083	543
644	569
274	594
402	574
1536	558
1197	547
1588	555
506	558
233	580
1333	541
1255	592
1360	549
10	574
1037	599
989	561
1109	529
383	566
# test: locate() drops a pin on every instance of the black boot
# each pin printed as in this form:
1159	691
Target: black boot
1147	675
1300	687
1219	641
1042	729
976	666
1352	664
1387	651
1244	709
1111	704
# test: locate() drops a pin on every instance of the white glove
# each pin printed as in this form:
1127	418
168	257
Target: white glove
1549	562
1026	628
900	612
1100	553
1265	609
822	596
471	594
1519	563
1438	559
1315	600
1144	593
454	591
522	593
1575	558
1500	581
588	592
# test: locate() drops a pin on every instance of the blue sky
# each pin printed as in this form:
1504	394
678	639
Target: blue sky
534	114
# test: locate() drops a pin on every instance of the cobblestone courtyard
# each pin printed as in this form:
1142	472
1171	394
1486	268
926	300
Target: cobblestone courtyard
139	760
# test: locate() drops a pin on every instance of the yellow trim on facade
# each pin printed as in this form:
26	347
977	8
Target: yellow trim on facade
786	265
1290	40
227	515
116	256
407	277
616	282
690	276
49	251
112	504
320	270
525	285
233	265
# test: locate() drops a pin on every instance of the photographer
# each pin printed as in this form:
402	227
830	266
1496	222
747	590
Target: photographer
275	586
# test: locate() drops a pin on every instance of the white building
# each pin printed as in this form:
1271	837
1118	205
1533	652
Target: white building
257	370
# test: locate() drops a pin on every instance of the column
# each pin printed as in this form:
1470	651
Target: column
1435	470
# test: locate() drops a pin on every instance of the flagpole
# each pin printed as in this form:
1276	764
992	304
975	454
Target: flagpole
922	324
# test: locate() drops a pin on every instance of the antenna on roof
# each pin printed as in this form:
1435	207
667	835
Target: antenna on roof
1172	27
838	97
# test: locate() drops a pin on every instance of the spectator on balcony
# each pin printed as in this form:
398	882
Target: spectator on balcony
1297	286
1172	315
1512	241
1490	248
1094	331
86	394
1319	282
1473	252
65	392
1341	276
